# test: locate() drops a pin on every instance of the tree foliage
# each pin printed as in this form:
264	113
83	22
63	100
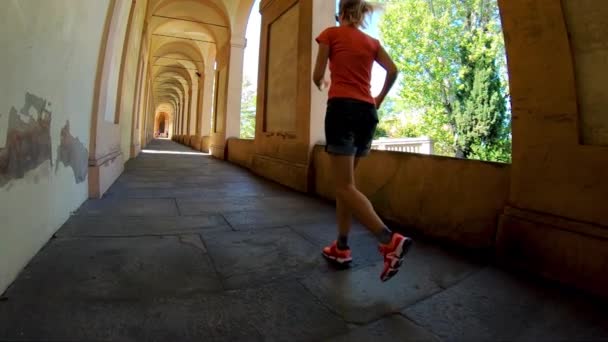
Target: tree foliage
248	110
452	62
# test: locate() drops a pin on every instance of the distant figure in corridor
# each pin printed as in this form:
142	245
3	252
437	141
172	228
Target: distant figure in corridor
350	123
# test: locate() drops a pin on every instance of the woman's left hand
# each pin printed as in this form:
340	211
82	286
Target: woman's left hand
323	85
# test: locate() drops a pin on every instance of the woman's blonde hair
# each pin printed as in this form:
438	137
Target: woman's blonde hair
356	11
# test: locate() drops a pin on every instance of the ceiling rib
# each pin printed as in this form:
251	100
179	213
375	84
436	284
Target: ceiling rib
185	38
179	59
190	20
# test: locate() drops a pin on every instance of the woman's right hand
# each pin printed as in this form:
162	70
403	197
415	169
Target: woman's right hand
379	100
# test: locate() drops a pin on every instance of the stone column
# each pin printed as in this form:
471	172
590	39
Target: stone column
290	109
189	114
184	115
199	106
178	119
235	87
218	135
556	222
207	100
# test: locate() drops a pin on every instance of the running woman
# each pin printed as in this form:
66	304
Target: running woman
350	123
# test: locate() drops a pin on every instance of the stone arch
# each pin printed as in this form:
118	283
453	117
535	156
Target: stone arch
163	121
109	67
105	143
241	17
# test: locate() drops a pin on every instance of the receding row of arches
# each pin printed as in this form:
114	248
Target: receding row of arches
170	68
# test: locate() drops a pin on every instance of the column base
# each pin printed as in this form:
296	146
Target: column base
288	173
218	151
205	144
195	142
135	149
103	172
557	248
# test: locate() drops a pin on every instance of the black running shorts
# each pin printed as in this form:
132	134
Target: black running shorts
349	127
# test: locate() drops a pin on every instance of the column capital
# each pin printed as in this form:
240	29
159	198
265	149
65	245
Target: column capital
238	42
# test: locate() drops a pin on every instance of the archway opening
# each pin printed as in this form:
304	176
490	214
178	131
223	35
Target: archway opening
250	74
162	127
452	96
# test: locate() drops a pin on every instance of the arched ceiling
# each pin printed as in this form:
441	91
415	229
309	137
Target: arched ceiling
186	37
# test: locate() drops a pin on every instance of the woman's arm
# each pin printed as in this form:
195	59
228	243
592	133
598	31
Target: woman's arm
319	73
391	74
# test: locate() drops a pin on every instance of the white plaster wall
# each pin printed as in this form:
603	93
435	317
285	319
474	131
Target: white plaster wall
50	48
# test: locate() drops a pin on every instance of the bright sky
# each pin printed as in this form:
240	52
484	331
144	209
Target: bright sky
253	46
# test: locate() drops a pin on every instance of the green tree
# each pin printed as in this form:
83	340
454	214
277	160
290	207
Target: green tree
385	116
248	110
452	62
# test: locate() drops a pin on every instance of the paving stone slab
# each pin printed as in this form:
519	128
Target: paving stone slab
147	184
169	193
320	233
129	207
70	319
197	206
190	192
211	179
392	328
363	244
276	217
255	257
136	268
107	226
280	312
299	202
360	297
206	192
493	305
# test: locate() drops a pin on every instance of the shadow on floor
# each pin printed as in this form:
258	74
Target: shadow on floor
184	247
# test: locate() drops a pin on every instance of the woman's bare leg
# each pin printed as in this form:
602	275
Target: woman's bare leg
344	215
350	200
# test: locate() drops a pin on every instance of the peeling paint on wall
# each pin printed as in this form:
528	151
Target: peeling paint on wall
28	140
72	153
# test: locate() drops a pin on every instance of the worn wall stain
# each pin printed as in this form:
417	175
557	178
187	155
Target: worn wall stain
72	153
28	140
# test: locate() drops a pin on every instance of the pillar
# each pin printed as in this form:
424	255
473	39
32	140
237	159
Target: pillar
199	106
235	87
207	100
290	108
218	134
184	120
191	110
556	222
178	119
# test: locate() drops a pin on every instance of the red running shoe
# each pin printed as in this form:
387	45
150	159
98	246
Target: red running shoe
393	253
342	257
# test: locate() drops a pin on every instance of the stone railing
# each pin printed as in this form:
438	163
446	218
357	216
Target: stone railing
422	145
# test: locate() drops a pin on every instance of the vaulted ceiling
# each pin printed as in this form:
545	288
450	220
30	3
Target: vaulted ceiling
189	37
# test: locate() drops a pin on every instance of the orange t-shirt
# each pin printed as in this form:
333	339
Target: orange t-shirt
351	57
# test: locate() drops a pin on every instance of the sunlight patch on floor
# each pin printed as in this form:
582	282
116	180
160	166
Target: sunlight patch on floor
174	152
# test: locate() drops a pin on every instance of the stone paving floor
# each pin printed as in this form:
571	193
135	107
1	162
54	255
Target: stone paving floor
187	248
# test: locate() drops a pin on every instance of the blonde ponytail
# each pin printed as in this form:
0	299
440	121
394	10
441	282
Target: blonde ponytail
357	11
